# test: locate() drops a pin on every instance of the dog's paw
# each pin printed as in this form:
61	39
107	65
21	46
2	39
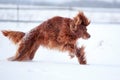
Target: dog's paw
71	56
11	58
82	60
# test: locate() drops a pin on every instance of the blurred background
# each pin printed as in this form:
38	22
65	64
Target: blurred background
19	13
102	49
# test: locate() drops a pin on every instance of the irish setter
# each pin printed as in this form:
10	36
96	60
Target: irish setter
56	33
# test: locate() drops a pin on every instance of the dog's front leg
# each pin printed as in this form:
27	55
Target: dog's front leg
80	54
71	48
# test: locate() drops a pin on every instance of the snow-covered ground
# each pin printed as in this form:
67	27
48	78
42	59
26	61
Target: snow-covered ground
102	51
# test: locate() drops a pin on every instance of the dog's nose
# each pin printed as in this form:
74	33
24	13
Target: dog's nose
89	36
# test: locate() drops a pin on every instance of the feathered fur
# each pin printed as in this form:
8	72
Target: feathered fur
58	32
14	36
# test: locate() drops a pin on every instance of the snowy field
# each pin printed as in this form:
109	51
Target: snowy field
102	52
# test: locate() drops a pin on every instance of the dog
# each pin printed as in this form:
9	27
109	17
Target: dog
59	33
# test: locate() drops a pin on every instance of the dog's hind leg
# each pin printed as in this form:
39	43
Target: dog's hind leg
26	49
34	49
25	52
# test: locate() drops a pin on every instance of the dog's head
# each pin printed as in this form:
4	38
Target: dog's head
80	26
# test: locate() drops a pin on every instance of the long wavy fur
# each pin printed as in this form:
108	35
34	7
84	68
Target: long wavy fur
59	33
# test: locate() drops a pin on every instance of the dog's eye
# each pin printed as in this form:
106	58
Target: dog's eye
85	29
73	27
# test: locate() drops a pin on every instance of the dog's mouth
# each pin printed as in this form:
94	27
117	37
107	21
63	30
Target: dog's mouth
86	37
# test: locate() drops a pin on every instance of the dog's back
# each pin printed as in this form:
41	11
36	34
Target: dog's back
51	30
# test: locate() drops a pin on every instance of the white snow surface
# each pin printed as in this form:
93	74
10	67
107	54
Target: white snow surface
102	53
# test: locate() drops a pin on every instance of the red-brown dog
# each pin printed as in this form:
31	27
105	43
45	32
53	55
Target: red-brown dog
58	32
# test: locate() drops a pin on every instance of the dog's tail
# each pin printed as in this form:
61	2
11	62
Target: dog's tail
14	36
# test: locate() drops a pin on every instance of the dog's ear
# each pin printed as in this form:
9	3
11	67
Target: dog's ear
85	20
76	22
77	19
81	19
73	27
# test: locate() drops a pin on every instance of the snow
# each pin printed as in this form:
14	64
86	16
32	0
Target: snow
102	53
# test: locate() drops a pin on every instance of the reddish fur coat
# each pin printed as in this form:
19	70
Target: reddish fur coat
58	32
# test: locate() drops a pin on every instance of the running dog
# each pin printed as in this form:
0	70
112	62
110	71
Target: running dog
59	33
